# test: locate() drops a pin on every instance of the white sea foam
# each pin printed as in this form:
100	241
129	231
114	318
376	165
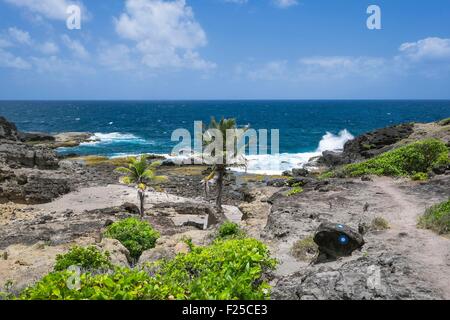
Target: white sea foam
114	137
277	164
257	164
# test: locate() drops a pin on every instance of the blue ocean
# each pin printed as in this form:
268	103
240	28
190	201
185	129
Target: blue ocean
135	127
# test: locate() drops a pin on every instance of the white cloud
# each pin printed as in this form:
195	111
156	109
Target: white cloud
270	71
116	57
8	60
49	48
51	9
165	33
285	3
78	50
4	43
342	66
427	49
20	36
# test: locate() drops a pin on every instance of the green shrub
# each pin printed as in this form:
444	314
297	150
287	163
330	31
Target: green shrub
136	235
420	176
444	122
327	175
413	158
437	218
231	269
122	284
229	230
89	258
294	191
379	224
305	249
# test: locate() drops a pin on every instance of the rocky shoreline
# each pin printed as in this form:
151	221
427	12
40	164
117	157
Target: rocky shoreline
49	203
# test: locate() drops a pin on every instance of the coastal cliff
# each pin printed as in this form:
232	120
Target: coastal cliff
50	203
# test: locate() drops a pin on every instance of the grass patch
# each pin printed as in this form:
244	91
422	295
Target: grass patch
100	160
437	218
305	249
444	122
409	160
294	191
379	224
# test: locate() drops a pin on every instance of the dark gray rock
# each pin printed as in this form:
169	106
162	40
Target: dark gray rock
386	277
337	240
130	208
8	130
367	145
35	137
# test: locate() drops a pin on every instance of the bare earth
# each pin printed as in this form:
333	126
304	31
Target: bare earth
424	247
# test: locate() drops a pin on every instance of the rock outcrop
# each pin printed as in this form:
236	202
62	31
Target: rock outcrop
28	173
367	145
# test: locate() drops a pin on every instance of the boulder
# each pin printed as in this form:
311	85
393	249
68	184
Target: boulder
119	255
130	208
154	255
337	240
300	172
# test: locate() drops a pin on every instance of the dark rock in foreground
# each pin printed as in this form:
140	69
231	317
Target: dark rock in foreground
337	240
387	277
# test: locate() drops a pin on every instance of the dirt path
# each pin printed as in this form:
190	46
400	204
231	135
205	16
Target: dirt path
429	250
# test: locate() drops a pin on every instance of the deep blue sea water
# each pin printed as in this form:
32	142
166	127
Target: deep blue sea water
128	127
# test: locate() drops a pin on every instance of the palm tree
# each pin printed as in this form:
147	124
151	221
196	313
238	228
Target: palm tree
140	173
219	169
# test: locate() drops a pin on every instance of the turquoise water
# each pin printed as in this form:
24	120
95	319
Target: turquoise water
133	127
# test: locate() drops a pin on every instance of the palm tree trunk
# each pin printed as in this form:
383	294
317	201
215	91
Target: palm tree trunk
141	201
220	216
220	175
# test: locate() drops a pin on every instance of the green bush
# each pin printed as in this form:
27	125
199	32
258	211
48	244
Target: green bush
229	230
122	284
231	269
420	176
417	157
437	218
89	258
136	235
294	191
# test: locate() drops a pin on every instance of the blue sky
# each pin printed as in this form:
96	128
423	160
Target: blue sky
224	49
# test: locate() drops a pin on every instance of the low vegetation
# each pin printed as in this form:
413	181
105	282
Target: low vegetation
89	258
136	235
231	269
444	122
294	191
437	218
415	159
420	176
230	230
379	224
100	160
305	249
